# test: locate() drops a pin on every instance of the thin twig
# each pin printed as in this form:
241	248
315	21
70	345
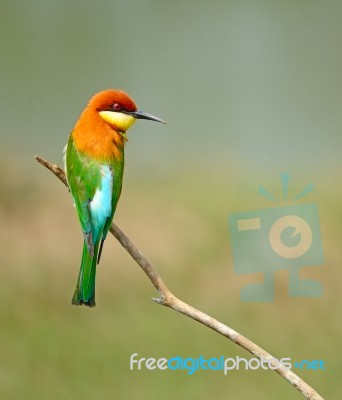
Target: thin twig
168	299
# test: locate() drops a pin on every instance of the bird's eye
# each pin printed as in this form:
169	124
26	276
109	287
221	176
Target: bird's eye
117	107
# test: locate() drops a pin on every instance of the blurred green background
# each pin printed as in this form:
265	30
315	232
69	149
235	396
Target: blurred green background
249	89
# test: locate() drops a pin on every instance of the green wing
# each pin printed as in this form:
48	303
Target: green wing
84	177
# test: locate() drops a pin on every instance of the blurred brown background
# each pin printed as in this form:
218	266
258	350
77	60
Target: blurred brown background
249	90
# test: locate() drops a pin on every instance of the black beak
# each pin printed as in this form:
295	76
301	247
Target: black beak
142	115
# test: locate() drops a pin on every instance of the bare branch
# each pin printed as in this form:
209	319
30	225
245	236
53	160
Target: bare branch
53	168
168	299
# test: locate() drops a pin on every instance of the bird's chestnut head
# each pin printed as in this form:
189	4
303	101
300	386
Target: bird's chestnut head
117	109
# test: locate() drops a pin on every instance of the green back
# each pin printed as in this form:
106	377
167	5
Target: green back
84	178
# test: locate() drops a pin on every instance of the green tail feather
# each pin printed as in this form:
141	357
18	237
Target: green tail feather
85	289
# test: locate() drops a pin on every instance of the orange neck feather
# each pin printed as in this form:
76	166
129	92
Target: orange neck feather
94	137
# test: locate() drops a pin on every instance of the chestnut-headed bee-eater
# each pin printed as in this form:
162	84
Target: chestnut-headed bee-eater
94	161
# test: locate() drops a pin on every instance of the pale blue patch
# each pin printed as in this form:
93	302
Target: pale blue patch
101	205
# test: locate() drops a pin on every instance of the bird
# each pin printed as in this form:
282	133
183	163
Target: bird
94	164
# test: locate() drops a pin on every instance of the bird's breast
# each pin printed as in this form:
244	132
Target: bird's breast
101	143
